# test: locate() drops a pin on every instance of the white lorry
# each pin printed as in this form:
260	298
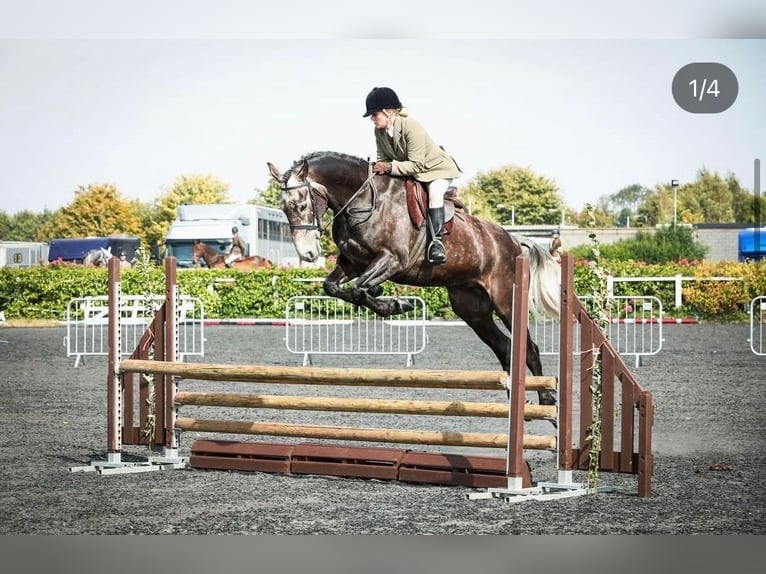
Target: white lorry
264	229
22	253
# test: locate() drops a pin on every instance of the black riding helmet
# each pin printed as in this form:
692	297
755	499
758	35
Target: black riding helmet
234	230
382	99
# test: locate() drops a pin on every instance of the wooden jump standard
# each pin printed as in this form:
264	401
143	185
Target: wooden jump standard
501	476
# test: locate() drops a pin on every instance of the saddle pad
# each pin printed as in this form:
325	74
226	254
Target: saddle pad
417	204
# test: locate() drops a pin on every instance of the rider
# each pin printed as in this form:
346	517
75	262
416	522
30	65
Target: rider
124	263
555	247
404	148
237	247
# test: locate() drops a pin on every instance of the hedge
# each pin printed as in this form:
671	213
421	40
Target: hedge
44	292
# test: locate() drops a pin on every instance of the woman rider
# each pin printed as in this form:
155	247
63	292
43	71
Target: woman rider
404	148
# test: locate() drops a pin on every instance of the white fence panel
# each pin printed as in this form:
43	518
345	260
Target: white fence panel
319	325
635	328
758	325
87	325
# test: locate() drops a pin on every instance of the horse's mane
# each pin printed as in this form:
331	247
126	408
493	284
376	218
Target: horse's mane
331	154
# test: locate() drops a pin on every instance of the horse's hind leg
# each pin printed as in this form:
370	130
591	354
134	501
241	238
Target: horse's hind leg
504	308
474	307
535	365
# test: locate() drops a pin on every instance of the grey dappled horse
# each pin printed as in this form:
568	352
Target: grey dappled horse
378	242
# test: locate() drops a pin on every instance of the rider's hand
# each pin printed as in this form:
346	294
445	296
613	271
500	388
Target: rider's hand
381	167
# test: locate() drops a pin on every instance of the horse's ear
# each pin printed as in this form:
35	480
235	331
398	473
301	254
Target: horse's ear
303	171
274	171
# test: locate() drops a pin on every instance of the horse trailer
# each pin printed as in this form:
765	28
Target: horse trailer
22	253
73	250
265	231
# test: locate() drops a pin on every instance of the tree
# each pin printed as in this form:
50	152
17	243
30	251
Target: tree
629	198
5	225
26	224
271	196
708	199
513	193
602	217
186	189
97	210
746	207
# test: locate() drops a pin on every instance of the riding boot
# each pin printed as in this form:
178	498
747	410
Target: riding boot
436	252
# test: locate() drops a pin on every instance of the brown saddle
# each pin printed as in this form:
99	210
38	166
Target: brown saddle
417	204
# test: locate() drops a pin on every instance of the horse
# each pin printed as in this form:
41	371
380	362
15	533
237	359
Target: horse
378	242
214	258
97	257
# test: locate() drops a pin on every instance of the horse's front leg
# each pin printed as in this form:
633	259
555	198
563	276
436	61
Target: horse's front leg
364	293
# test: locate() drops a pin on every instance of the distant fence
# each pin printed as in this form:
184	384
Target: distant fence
87	320
758	325
318	325
677	280
635	327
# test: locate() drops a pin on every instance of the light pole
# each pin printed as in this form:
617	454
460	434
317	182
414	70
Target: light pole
674	184
513	212
563	211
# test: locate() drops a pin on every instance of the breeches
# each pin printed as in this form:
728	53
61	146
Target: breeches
436	190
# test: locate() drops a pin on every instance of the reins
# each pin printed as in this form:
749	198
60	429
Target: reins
346	207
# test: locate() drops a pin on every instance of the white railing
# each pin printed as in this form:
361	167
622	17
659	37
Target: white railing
635	328
676	279
758	325
318	325
87	329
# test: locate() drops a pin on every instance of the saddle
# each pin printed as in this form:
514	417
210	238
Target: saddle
417	204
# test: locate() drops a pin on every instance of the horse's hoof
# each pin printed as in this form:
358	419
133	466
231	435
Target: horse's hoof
375	291
546	398
404	306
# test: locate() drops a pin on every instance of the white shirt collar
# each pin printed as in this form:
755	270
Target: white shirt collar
390	128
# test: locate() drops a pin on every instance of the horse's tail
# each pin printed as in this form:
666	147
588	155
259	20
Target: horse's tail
544	279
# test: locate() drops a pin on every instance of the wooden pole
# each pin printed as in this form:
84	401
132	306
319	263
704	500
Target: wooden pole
446	438
360	405
394	378
516	440
113	383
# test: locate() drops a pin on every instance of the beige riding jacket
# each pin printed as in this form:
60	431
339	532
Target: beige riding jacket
411	151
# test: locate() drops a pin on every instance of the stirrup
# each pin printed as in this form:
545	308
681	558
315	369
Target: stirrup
437	255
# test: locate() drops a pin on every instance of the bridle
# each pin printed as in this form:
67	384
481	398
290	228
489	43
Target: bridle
316	225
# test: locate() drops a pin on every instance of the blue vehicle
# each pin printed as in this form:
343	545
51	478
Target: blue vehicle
752	244
73	250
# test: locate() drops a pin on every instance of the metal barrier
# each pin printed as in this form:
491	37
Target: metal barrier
87	319
758	325
635	327
318	325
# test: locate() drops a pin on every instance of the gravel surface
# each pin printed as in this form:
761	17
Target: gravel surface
708	444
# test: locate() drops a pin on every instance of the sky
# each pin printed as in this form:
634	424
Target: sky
85	104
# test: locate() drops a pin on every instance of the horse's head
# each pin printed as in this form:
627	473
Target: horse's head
304	203
97	257
197	251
